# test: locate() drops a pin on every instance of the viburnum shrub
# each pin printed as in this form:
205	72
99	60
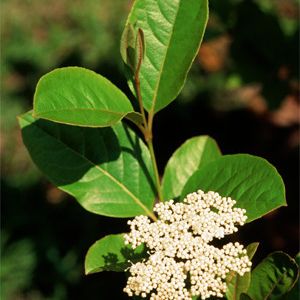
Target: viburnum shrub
82	134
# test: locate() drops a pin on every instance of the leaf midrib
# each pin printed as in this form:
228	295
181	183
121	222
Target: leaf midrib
163	62
237	279
275	284
123	187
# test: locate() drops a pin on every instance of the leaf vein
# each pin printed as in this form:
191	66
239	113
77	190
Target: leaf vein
112	178
163	62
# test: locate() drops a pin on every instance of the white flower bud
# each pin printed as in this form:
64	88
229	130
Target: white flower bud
179	251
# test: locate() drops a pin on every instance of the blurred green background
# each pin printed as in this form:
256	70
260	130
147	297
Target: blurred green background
243	90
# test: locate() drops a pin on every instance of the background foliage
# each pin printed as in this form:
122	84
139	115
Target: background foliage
242	90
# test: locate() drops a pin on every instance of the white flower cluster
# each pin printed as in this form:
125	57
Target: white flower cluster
182	263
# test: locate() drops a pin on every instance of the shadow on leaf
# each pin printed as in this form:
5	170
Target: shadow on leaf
119	264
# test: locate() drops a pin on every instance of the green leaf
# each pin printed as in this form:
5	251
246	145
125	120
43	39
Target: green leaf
236	284
108	170
251	249
132	47
245	297
273	277
188	158
77	96
135	118
127	45
253	182
295	291
173	31
111	254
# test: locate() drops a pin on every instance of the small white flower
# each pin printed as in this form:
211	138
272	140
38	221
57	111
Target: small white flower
181	261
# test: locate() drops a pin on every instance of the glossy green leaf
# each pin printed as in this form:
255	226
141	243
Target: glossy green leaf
127	45
245	297
294	294
132	47
173	31
273	277
188	158
78	96
251	249
135	118
108	170
295	291
253	182
111	254
236	284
